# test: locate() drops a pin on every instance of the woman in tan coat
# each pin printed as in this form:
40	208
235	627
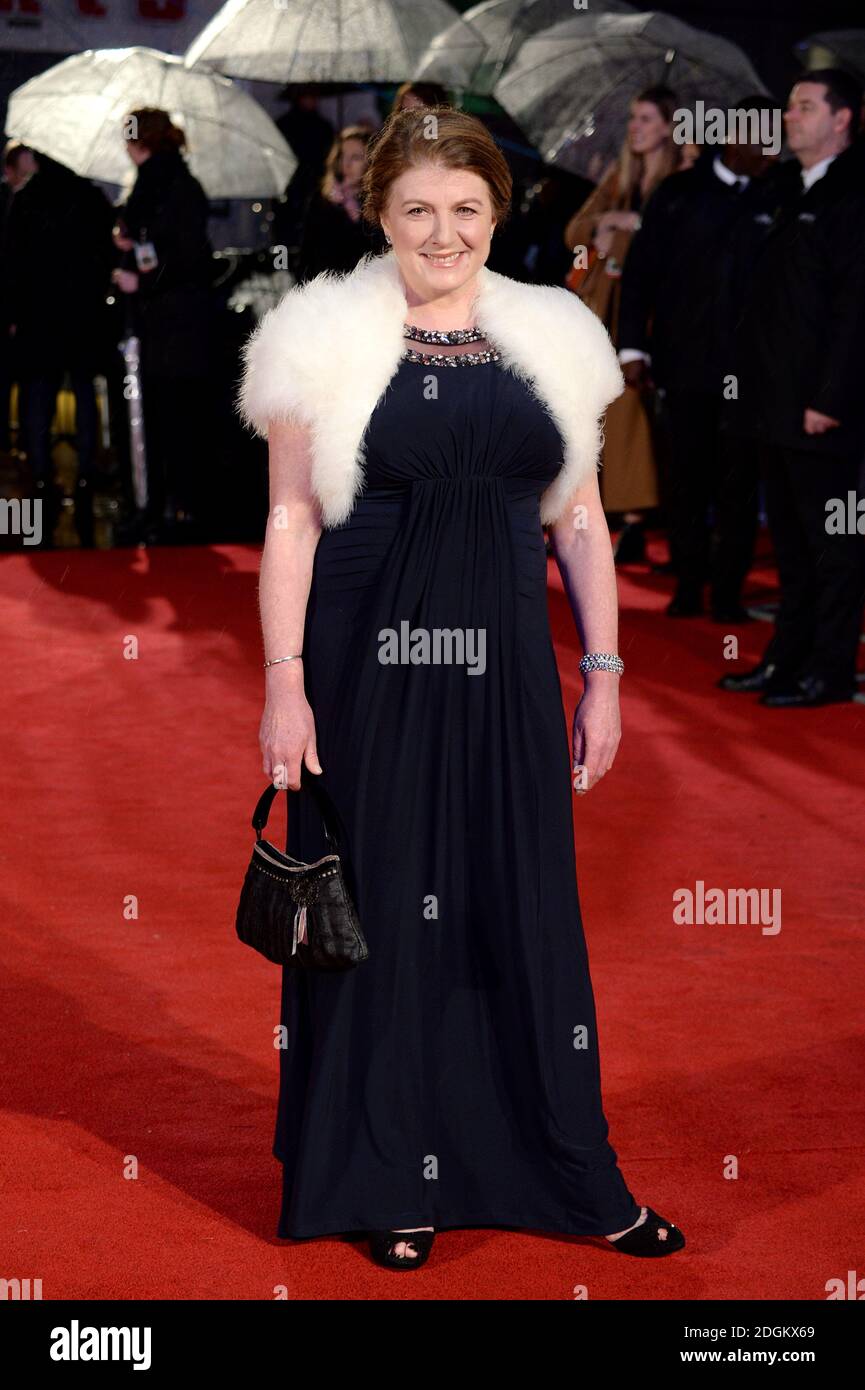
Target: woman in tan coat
599	235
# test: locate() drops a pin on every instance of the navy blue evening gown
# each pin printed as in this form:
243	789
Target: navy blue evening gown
442	1082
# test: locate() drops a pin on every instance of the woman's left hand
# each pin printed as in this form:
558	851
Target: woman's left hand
597	730
120	239
622	221
125	280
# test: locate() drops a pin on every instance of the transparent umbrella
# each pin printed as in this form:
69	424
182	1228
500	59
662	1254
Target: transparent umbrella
570	87
320	40
843	48
473	54
74	112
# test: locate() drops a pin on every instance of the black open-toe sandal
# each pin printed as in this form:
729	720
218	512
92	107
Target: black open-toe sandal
382	1243
655	1237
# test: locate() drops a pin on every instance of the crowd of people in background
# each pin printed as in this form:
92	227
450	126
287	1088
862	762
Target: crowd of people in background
741	295
605	225
77	276
731	281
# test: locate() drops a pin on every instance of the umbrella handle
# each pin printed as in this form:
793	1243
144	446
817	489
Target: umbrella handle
127	262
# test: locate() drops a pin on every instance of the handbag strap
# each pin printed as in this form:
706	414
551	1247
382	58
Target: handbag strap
312	783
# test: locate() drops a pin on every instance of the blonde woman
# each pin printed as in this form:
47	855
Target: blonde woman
425	417
602	230
334	235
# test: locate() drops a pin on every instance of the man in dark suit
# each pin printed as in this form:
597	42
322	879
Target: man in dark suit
801	397
681	284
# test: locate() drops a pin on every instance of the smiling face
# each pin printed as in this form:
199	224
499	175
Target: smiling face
647	128
814	131
439	222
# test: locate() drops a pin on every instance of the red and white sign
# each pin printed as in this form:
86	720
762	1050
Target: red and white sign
69	26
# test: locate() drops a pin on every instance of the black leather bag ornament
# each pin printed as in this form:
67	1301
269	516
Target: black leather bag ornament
297	914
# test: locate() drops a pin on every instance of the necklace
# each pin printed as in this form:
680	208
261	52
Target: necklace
452	336
451	359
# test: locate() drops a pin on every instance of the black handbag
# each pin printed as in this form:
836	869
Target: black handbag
297	914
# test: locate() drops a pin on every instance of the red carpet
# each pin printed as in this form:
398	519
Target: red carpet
145	1045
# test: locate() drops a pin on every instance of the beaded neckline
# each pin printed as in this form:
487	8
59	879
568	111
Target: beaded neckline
450	337
453	359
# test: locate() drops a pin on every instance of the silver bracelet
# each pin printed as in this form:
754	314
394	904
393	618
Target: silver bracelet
278	659
602	661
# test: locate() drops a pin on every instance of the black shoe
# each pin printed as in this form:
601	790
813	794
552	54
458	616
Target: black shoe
183	530
128	528
50	499
83	504
654	1237
685	603
759	678
631	545
382	1243
806	693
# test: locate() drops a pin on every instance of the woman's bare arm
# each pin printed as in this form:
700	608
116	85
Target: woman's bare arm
287	734
584	554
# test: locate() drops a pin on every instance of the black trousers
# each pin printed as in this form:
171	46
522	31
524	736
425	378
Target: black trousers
822	575
7	378
709	470
177	415
38	405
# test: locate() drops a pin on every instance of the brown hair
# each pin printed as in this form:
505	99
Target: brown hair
155	130
843	92
430	93
331	173
12	152
459	142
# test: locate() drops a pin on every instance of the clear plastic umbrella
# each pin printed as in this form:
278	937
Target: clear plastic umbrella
320	40
473	54
74	113
844	48
571	86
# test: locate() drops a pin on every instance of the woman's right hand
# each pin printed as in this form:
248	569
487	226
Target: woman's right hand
604	234
637	374
287	734
121	239
125	280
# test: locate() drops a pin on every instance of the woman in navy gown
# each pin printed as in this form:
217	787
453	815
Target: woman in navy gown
453	1078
